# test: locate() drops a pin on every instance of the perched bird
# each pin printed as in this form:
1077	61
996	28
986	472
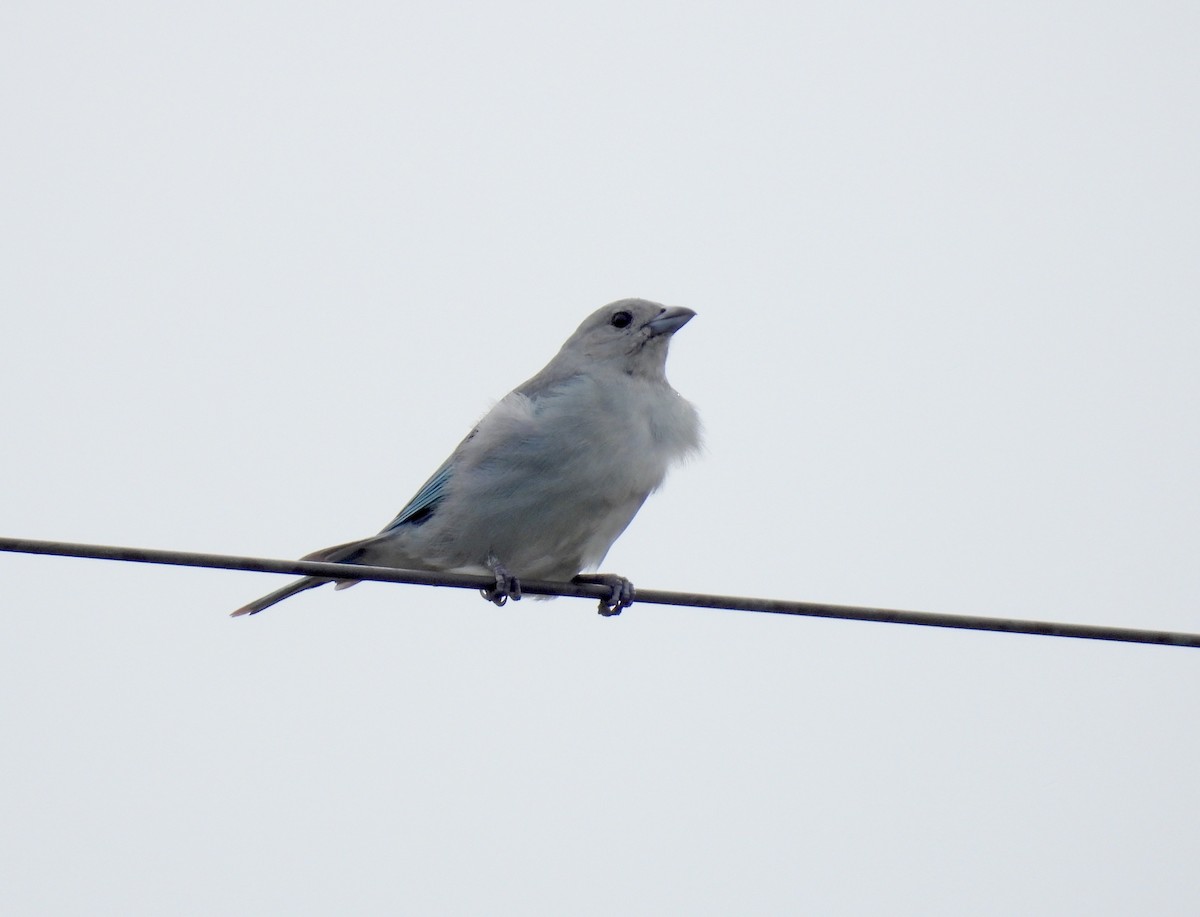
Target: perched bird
548	479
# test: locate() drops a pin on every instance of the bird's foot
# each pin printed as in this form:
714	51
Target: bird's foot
622	591
507	586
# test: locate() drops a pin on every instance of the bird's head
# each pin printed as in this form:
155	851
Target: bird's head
630	333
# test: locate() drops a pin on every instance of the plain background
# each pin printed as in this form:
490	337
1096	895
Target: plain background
264	264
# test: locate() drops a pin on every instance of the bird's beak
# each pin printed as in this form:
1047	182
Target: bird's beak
668	321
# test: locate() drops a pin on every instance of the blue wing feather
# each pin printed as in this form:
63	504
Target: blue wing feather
422	506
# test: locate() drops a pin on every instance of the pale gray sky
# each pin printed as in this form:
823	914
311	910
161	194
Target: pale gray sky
265	264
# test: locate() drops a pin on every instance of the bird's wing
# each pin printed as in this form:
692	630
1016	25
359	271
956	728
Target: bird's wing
509	422
422	506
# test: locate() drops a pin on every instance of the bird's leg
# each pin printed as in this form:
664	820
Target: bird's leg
622	591
507	586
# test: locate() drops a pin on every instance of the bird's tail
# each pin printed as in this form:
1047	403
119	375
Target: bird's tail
278	595
341	553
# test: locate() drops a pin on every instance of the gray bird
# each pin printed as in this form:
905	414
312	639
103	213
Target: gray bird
553	474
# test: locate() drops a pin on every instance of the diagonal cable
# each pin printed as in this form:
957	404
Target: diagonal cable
585	590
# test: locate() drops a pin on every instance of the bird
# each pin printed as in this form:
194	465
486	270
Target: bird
552	474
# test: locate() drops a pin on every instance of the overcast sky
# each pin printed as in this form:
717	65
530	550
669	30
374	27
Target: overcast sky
264	264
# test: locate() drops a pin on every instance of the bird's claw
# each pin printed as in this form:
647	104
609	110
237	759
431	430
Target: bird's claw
618	600
507	586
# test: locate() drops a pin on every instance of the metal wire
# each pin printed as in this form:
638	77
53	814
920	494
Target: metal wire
582	590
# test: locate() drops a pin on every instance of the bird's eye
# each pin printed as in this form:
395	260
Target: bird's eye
621	319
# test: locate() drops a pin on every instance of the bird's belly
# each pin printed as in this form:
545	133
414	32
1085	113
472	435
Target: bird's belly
559	539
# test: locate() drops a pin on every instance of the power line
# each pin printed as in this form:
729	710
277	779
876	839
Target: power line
585	590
